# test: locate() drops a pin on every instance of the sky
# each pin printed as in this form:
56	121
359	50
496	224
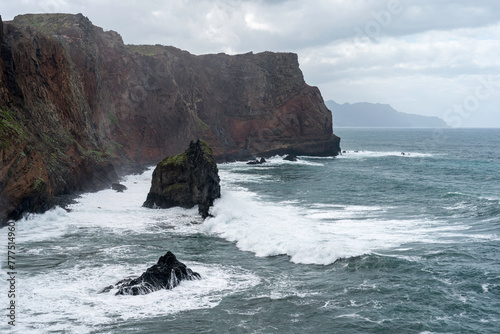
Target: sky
430	57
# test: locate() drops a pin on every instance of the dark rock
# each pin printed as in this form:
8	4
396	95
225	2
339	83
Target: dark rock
291	157
257	162
31	193
1	33
187	179
118	187
344	151
402	153
166	274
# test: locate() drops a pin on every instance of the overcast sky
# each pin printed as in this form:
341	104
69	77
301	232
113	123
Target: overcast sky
429	57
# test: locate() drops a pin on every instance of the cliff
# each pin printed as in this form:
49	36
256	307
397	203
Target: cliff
77	104
379	115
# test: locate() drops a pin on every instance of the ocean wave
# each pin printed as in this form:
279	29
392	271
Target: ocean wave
38	227
314	236
275	161
64	300
381	154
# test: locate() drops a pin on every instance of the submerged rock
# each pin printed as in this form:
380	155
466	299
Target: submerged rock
187	179
291	157
257	162
166	274
118	187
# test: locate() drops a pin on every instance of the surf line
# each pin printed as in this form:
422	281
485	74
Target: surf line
11	265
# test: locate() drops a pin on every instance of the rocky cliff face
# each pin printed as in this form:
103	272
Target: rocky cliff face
77	103
50	140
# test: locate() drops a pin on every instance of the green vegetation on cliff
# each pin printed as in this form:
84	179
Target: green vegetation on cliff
182	158
176	160
11	130
48	23
146	50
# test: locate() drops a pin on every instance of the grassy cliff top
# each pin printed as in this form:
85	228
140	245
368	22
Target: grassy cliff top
147	50
50	23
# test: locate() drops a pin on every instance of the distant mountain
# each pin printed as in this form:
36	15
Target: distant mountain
365	114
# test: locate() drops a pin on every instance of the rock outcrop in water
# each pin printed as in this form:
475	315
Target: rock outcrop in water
291	157
187	179
257	162
77	104
166	274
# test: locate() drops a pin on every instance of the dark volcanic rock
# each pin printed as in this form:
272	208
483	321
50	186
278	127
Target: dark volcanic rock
291	157
257	162
1	33
118	187
185	180
166	274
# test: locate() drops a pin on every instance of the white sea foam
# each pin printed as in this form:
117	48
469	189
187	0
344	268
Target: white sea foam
66	300
64	297
123	212
312	236
319	234
301	160
343	212
379	154
275	161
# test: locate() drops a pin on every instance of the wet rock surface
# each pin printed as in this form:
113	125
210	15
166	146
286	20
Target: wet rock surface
167	273
187	179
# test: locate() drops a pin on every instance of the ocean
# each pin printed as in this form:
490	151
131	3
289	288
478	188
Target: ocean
372	241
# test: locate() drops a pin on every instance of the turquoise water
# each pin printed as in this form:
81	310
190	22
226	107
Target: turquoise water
372	241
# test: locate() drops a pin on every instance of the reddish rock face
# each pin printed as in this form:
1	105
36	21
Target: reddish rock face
86	103
25	178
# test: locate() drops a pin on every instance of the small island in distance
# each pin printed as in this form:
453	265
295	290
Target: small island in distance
378	115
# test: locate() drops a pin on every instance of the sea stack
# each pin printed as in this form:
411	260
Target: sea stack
167	273
187	179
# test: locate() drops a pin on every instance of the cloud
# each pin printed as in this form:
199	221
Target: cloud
420	56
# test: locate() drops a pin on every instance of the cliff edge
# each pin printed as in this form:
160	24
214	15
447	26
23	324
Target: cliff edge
77	104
